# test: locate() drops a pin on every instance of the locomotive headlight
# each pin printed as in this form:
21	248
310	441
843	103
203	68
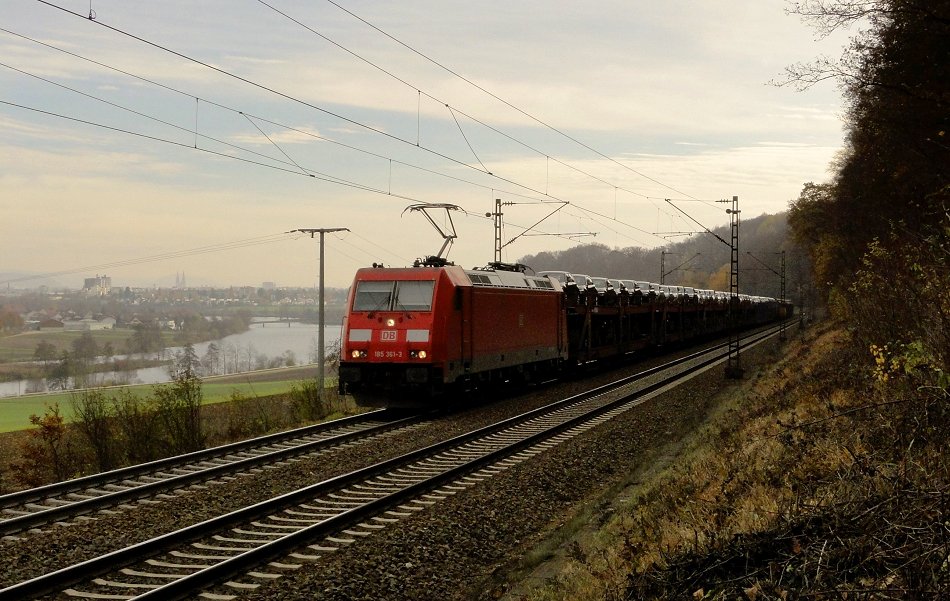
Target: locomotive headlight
358	354
390	322
422	354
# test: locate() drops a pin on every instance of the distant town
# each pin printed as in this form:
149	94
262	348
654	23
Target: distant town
101	305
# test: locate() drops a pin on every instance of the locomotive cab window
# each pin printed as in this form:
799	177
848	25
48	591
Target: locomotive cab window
394	296
373	296
414	296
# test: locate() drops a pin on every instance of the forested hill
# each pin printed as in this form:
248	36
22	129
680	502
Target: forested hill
764	237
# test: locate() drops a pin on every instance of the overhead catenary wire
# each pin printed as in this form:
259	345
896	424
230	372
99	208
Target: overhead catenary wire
330	179
263	87
502	100
305	103
219	154
292	98
308	104
258	118
705	229
300	170
151	118
534	118
269	139
496	97
456	110
464	137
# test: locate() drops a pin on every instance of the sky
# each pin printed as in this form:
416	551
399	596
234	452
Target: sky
194	137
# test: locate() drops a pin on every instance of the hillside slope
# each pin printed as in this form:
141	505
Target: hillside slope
817	478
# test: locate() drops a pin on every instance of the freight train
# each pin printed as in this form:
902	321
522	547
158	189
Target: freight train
412	334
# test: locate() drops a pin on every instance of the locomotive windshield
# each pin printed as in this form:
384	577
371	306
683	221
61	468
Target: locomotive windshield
373	296
414	296
388	295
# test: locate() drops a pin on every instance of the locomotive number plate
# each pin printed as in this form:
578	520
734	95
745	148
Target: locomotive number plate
387	336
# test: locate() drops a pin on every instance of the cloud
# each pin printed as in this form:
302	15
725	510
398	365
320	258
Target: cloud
674	92
298	135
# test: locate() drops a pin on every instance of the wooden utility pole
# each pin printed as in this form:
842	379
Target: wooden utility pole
321	308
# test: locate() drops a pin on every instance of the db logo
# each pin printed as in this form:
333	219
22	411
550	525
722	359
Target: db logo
387	336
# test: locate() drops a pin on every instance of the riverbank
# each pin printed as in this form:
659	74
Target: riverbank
19	360
265	344
31	371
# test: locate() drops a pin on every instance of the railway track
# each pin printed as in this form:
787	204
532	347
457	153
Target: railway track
73	498
248	547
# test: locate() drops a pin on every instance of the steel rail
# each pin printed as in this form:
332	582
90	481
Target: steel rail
186	587
117	475
183	587
134	491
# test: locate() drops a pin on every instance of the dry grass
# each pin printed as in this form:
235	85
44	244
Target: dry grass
807	482
241	418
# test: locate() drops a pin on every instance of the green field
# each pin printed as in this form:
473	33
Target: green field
15	411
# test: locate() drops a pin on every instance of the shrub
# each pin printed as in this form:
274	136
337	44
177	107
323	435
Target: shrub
307	404
178	411
138	426
46	454
94	417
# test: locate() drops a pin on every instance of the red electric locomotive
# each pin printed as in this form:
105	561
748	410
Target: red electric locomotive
411	334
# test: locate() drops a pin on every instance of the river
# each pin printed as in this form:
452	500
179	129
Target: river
262	338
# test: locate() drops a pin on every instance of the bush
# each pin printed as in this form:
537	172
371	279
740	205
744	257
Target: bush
899	299
94	417
178	410
138	426
247	417
307	404
126	429
47	452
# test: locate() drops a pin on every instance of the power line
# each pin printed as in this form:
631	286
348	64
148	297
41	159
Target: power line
705	229
236	111
503	101
455	110
302	171
368	241
327	178
289	97
242	79
318	108
633	227
464	137
151	118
